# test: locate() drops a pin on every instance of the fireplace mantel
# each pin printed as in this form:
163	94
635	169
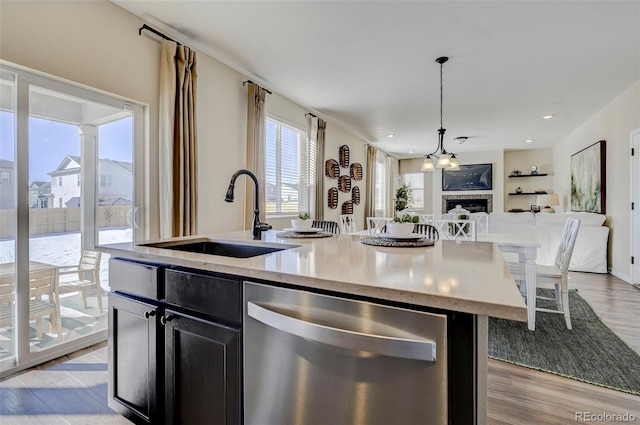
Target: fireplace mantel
488	198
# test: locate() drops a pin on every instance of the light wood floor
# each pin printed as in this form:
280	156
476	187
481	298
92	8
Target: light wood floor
519	395
72	389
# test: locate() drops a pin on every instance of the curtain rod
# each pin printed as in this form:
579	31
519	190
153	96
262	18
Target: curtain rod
251	82
156	32
310	114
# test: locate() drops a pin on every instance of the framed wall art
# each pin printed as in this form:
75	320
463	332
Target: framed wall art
588	179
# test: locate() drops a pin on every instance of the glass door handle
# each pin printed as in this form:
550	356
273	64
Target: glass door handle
417	349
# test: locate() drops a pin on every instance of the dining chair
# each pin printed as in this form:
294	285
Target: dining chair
347	223
556	275
482	221
455	229
327	226
376	224
425	218
426	229
86	277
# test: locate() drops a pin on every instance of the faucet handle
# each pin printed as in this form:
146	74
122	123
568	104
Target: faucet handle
264	227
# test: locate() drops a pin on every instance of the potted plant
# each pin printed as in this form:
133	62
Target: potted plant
402	225
302	223
404	196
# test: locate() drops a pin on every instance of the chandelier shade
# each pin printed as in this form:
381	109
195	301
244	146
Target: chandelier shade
440	155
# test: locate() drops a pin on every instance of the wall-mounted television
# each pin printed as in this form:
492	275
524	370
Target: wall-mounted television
469	177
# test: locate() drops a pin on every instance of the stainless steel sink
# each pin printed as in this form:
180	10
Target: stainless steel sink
219	248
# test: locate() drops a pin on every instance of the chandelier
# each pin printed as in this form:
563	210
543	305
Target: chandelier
444	158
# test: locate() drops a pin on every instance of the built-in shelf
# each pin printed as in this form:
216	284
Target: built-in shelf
528	193
528	175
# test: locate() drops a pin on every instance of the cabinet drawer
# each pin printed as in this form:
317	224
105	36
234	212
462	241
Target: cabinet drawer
141	279
211	295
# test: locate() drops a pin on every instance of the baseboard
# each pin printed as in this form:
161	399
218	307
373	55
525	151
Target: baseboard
619	275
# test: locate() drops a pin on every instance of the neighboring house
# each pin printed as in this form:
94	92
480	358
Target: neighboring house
7	184
287	192
40	195
115	181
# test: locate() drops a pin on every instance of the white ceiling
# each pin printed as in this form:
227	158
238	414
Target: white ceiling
371	64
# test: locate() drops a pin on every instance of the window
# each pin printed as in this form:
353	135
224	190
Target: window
60	181
416	182
79	178
5	177
290	169
105	180
381	183
59	202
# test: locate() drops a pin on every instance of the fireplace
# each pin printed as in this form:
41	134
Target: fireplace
472	203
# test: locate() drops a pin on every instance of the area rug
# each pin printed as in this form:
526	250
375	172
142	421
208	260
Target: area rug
590	352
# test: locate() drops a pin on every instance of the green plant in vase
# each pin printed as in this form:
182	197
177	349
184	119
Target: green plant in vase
404	196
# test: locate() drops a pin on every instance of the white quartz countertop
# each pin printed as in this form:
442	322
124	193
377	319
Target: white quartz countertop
464	276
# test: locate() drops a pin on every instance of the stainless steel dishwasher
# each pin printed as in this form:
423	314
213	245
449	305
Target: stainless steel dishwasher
317	359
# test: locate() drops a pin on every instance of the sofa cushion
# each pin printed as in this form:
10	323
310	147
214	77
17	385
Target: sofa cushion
586	219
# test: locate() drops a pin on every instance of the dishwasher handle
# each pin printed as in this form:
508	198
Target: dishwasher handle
378	344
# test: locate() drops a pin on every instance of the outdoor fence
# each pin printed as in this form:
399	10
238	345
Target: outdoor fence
44	221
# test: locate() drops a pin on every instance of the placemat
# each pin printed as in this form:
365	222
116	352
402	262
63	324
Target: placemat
405	244
296	235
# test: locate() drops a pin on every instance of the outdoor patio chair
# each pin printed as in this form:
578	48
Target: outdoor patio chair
556	275
43	300
87	277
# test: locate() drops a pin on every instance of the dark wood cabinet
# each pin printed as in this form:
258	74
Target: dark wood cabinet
134	382
174	359
202	371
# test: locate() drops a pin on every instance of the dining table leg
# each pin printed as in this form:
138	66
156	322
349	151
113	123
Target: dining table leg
530	282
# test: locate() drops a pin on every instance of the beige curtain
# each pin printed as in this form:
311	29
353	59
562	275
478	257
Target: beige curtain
177	140
370	190
256	150
392	184
318	128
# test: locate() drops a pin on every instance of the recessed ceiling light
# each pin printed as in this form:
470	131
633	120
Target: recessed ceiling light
547	117
529	141
391	135
380	128
412	152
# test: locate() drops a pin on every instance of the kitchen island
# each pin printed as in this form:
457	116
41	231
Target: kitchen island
464	282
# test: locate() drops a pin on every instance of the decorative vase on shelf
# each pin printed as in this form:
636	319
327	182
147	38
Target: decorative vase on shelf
518	189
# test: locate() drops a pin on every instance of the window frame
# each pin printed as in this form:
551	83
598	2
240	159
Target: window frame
306	192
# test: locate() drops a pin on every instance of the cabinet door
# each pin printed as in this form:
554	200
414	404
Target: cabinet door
202	370
133	378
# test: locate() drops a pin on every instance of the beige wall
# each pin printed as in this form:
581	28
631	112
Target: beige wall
433	181
97	44
522	160
613	123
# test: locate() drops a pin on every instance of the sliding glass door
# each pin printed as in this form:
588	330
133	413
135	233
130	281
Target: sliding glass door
73	158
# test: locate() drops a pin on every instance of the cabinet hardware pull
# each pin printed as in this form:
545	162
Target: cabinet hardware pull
148	314
165	319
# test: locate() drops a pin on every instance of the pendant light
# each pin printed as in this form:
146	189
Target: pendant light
444	159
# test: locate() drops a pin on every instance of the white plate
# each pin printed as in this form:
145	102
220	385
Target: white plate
312	230
409	237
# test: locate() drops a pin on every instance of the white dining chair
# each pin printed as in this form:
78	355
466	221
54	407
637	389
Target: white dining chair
376	224
482	221
556	275
455	229
347	224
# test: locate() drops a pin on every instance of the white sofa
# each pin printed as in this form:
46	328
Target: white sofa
590	251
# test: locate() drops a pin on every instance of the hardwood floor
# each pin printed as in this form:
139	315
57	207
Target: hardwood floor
72	389
519	395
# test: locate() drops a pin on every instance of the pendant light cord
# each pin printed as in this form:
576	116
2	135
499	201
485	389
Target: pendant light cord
441	95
